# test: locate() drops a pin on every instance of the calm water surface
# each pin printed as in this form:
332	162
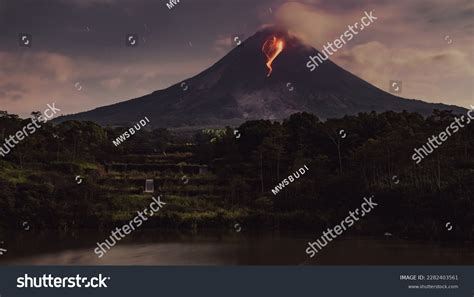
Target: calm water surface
158	247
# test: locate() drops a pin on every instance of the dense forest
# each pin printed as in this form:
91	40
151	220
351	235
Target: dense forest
70	175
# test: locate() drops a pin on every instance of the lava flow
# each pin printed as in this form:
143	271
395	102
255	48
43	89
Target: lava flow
272	47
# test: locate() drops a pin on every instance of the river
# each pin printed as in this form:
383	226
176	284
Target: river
160	247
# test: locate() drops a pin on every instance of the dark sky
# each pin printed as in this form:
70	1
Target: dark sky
79	59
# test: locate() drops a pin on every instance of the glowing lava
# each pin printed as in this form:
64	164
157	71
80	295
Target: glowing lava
272	47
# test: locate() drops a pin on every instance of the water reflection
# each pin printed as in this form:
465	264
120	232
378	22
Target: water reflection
158	247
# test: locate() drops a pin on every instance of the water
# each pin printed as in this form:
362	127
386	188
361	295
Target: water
158	247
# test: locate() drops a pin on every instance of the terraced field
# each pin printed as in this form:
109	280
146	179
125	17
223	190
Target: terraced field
194	195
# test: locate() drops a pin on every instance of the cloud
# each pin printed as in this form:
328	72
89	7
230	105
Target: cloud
408	42
222	44
14	91
33	79
429	69
310	24
29	81
112	83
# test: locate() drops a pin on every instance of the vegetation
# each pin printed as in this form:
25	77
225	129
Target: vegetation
38	178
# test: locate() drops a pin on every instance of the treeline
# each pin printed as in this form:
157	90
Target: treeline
38	177
348	158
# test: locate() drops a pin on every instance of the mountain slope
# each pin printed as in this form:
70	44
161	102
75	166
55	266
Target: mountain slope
237	88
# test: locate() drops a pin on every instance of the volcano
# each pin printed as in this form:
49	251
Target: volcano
239	88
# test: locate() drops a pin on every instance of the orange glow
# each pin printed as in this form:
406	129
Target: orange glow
272	47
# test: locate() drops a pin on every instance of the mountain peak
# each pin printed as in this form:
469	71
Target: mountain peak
243	86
